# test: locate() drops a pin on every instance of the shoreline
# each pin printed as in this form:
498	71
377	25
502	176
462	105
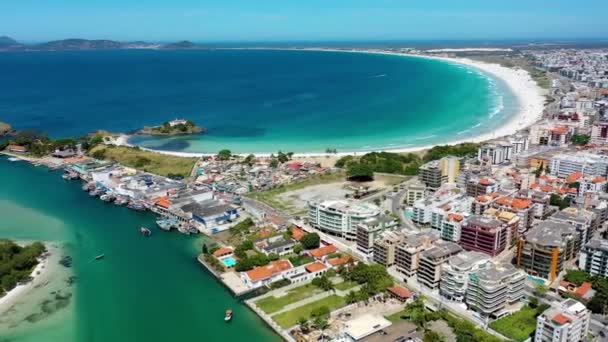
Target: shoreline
530	98
39	275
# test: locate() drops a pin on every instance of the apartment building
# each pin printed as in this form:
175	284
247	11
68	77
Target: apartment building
385	247
429	271
455	274
481	186
486	234
594	257
408	253
415	192
564	322
522	207
585	221
562	165
599	133
370	230
340	217
545	250
438	172
422	212
494	287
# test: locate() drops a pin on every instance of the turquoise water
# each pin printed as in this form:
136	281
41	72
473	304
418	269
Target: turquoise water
145	289
229	262
253	100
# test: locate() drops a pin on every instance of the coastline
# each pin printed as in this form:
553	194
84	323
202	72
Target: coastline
529	95
40	274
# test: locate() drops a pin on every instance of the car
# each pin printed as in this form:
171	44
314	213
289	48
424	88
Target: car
400	339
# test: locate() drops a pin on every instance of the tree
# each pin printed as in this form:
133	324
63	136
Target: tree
310	241
432	336
576	277
580	139
533	302
323	282
282	157
274	162
304	325
273	256
205	250
249	159
541	289
351	297
321	323
298	248
359	172
224	154
343	161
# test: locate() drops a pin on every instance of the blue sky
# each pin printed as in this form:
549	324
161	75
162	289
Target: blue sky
277	20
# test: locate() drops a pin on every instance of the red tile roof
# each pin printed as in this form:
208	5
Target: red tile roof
582	290
315	267
455	217
339	261
573	177
297	233
323	251
222	251
401	292
163	202
486	181
599	179
560	319
17	148
265	272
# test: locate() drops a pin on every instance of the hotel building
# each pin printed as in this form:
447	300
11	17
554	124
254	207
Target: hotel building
340	217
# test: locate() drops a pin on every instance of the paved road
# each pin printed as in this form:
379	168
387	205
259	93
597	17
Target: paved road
396	203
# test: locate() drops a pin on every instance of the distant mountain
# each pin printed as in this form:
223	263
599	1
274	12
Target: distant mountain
7	43
184	44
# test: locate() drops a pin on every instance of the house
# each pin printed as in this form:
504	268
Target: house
223	252
67	153
583	292
275	244
401	293
265	275
17	148
322	252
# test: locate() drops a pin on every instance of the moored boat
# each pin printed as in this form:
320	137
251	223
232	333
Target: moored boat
228	316
145	231
107	197
120	200
136	206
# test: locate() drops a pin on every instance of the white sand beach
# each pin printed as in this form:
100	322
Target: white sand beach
529	96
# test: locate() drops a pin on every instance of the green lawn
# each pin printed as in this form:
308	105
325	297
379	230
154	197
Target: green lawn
518	326
396	316
345	285
299	260
273	304
290	318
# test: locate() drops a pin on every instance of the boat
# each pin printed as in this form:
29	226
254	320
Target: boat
70	176
107	197
228	316
94	192
100	256
88	187
145	231
136	206
14	159
120	200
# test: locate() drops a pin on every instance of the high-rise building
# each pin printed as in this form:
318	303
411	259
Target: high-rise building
545	250
415	192
407	254
484	234
492	288
369	231
565	322
429	271
438	172
385	247
455	274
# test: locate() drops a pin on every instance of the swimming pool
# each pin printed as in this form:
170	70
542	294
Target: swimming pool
229	262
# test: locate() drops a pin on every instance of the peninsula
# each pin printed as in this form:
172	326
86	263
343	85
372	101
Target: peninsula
10	44
6	129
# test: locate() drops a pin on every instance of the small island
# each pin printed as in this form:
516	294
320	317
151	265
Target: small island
174	127
17	263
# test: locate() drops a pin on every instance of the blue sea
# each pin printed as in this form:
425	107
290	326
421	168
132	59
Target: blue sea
253	100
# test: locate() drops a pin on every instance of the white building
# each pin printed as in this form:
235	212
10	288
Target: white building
340	217
563	165
568	322
594	257
493	288
455	274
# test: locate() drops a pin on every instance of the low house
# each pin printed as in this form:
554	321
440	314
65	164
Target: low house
322	252
17	148
67	153
583	292
339	261
275	244
265	275
223	252
400	293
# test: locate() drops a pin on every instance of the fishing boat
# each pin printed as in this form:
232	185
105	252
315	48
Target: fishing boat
165	224
228	316
100	256
13	159
145	231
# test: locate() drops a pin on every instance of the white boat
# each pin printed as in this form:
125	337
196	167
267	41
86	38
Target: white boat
228	316
13	159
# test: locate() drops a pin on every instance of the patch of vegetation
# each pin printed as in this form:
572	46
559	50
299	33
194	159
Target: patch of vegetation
374	279
166	129
577	277
214	263
580	139
459	150
17	263
153	162
299	260
242	227
291	318
311	241
345	285
271	197
599	302
273	304
519	325
382	162
224	154
560	202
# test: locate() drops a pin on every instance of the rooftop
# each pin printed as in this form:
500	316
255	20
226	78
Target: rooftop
365	325
550	233
441	250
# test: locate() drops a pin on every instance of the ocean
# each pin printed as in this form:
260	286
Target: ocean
145	289
253	100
